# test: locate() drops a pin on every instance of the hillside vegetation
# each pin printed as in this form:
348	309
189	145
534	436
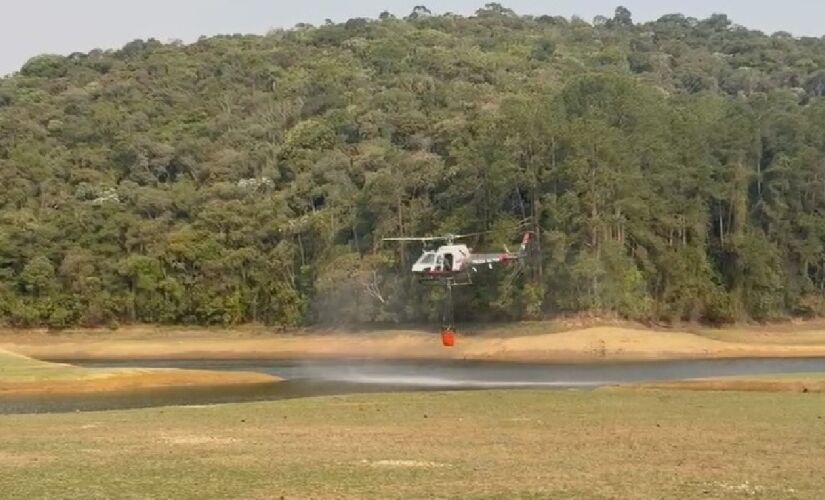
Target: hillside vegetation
673	169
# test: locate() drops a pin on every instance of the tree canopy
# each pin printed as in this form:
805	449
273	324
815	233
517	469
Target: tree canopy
674	170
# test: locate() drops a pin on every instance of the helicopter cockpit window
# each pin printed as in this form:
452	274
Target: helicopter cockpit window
427	258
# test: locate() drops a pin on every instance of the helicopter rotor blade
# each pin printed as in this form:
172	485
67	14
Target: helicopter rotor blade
429	238
446	237
469	235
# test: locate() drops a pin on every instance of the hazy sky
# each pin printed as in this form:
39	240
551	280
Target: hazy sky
32	27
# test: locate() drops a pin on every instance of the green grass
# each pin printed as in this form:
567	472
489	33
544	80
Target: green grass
17	368
496	444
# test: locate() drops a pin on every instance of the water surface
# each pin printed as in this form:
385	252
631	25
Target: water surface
319	378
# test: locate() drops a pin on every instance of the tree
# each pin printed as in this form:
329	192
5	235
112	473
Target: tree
623	17
419	12
38	277
495	9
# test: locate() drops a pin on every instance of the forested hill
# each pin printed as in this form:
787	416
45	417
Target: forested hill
675	170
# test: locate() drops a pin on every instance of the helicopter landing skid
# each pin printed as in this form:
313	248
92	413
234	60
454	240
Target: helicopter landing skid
455	280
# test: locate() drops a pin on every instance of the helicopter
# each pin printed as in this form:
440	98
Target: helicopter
453	264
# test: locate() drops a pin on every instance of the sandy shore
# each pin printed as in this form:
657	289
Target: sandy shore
21	375
604	343
133	380
801	383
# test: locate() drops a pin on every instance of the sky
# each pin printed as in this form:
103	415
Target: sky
32	27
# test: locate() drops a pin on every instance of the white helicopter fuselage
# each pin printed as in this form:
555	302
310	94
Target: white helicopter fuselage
447	259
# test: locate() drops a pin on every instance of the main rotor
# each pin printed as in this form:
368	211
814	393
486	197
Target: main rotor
448	239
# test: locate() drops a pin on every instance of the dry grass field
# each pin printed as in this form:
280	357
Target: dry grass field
498	444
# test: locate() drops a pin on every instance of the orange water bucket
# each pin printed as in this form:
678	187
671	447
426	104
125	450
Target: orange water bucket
448	338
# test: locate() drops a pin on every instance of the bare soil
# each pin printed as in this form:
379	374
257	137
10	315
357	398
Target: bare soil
527	342
799	383
20	375
134	380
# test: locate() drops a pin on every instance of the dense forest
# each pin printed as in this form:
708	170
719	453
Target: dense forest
674	170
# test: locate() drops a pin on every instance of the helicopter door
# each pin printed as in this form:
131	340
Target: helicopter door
448	262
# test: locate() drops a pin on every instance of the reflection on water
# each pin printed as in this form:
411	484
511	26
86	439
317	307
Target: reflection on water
178	396
318	378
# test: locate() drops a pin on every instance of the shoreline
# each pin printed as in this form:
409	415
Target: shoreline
134	381
21	375
546	357
802	383
516	344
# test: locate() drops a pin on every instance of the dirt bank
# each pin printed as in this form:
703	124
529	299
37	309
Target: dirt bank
134	380
814	384
519	343
20	375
